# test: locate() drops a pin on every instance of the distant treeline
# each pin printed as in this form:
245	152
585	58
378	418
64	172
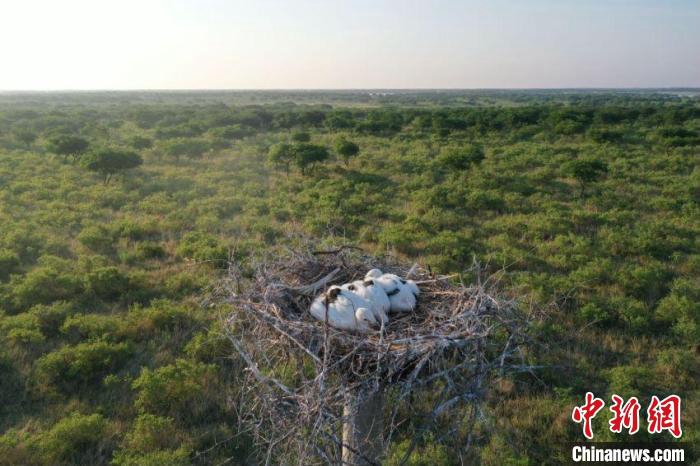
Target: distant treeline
404	97
176	121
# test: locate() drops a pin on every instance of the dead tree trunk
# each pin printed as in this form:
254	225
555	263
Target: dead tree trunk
363	426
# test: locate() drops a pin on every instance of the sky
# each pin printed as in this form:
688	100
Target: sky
343	44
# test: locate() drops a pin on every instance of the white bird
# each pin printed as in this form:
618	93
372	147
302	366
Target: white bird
384	280
375	295
337	306
402	293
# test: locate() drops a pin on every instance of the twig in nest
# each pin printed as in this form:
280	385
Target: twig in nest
336	251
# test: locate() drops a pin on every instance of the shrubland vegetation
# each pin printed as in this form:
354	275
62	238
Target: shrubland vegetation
118	212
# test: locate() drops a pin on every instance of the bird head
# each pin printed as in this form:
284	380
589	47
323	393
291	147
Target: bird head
332	293
366	319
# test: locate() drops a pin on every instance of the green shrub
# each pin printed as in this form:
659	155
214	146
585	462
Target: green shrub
461	158
152	433
136	230
81	364
75	439
681	309
161	316
17	448
210	346
451	251
107	283
646	281
185	283
91	327
603	135
631	380
150	250
12	384
9	263
191	148
203	247
428	454
50	317
23	328
98	238
178	390
500	452
301	136
140	142
44	285
179	457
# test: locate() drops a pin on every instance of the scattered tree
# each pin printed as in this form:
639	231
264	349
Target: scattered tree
301	136
192	148
308	155
603	135
26	137
107	162
462	158
281	155
68	146
347	149
586	171
141	142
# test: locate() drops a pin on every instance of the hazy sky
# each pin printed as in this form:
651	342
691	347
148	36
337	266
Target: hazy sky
260	44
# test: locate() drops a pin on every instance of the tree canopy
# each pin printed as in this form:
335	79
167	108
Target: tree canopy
347	149
586	171
308	155
67	145
281	155
108	162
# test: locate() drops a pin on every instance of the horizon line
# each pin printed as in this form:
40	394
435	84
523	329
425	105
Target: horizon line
349	89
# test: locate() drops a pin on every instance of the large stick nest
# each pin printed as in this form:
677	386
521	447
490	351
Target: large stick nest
299	369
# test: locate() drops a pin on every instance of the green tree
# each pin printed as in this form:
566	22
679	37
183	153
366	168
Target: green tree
25	136
461	158
108	162
141	142
347	149
606	135
308	155
301	136
191	148
68	146
586	171
281	155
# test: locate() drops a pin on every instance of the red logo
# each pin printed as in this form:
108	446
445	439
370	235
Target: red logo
661	415
587	412
665	415
625	415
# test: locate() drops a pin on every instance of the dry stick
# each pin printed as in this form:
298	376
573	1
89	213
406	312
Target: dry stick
254	368
438	279
314	287
336	251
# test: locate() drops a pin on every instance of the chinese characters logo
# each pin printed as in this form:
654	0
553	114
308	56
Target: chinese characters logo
662	415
